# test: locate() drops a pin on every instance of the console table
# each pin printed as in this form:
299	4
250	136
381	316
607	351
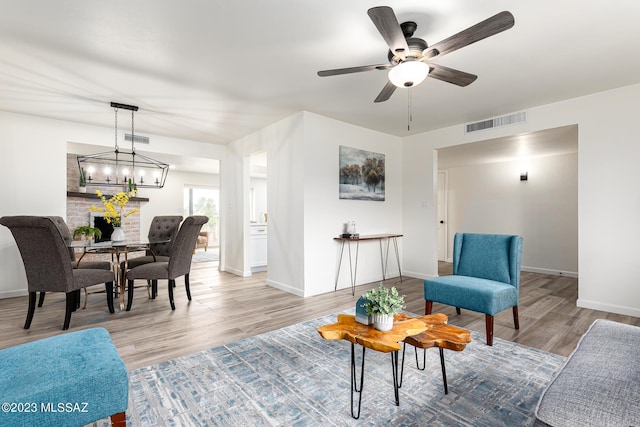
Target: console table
353	267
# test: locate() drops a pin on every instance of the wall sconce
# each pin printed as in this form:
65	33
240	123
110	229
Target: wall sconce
524	176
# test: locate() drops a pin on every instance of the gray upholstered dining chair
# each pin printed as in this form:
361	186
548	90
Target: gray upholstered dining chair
46	262
63	228
162	232
179	263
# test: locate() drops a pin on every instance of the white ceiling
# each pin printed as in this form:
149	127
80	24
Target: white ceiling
215	71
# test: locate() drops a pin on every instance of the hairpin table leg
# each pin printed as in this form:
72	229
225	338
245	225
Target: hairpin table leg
354	384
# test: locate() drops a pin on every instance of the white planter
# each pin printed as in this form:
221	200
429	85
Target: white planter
383	322
117	235
82	189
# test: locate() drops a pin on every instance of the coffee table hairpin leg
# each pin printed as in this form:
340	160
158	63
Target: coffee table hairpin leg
397	379
354	385
424	364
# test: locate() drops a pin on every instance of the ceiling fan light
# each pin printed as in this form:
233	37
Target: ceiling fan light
409	73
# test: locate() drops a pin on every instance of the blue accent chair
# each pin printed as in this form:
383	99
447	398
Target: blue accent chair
486	277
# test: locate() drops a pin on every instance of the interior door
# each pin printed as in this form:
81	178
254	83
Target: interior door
442	216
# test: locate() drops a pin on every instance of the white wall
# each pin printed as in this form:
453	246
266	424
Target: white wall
325	213
283	142
305	213
490	198
608	195
34	149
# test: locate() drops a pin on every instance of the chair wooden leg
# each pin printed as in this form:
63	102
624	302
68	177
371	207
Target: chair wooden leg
172	283
488	319
30	310
458	310
129	294
41	299
72	300
154	289
516	321
119	419
428	307
186	285
109	288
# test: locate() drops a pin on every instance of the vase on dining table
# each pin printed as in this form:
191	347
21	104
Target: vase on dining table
118	234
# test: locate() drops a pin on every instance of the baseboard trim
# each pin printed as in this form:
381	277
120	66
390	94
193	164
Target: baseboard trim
286	288
573	274
13	294
416	275
609	308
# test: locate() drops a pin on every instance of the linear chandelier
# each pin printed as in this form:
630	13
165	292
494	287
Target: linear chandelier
120	167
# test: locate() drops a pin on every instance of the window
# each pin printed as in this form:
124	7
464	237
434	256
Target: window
204	201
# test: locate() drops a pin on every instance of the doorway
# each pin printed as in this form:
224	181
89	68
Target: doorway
258	217
205	201
442	216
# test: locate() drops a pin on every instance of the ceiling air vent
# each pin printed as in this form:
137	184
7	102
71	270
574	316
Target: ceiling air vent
509	119
138	139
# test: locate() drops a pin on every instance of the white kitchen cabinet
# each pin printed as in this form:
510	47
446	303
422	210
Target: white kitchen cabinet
258	248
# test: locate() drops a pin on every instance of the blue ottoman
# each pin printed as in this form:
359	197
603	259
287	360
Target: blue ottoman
71	379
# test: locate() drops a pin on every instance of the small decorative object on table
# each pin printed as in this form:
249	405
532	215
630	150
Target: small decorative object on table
382	304
361	313
114	211
87	231
350	230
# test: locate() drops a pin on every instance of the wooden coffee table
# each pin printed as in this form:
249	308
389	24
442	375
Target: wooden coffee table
368	337
423	332
438	334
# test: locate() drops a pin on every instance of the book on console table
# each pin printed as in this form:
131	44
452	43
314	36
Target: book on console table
349	236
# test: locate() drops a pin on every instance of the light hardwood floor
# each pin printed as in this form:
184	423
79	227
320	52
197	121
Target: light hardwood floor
227	308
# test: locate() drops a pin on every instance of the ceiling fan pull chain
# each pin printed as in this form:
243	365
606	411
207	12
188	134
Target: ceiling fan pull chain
409	109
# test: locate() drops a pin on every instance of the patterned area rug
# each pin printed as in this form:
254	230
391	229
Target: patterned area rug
293	377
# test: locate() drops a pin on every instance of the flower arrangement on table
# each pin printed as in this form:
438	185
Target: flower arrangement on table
114	209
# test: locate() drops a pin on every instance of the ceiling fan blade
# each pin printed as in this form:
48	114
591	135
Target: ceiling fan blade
450	75
489	27
387	24
350	70
386	92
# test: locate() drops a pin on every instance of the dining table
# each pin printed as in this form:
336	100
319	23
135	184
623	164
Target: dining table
119	251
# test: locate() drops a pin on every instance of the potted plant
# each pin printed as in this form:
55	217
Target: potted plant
382	304
88	231
82	185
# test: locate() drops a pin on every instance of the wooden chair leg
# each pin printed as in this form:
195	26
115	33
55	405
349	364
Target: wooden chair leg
41	299
186	285
109	289
119	419
516	321
428	307
129	294
488	319
30	310
171	285
71	307
458	310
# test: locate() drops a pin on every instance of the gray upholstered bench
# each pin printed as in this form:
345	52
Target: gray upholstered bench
599	384
71	379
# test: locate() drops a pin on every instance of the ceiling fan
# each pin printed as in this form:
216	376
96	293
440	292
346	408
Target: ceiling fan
410	57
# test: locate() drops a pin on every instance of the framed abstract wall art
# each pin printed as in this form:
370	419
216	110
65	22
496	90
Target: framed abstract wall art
361	174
